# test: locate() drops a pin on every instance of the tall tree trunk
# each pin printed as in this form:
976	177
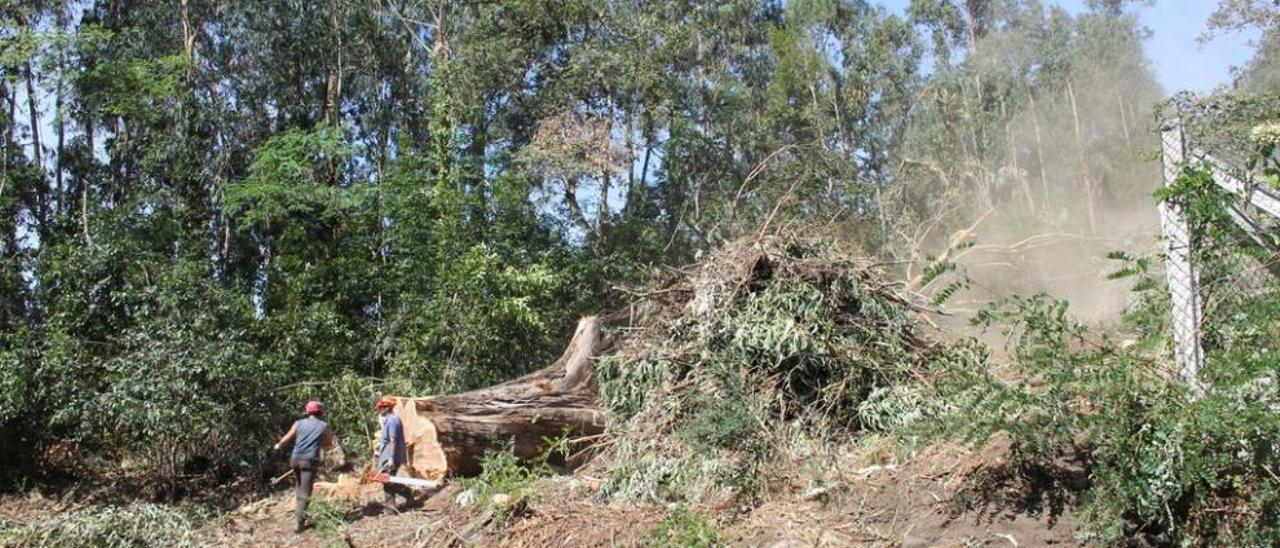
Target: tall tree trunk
59	115
1090	191
333	87
1124	118
84	215
575	210
638	191
606	177
1035	124
1017	169
603	221
85	180
188	37
6	133
42	189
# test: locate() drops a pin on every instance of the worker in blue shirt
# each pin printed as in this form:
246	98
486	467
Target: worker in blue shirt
391	450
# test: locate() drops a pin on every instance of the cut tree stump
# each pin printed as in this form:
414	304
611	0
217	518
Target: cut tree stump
449	434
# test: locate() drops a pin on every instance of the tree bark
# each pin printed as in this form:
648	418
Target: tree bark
1035	123
60	118
575	210
450	434
37	157
1090	194
1124	119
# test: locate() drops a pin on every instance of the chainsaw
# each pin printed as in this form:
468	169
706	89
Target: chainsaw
385	478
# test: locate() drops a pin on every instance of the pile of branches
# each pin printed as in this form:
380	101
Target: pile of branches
762	347
136	524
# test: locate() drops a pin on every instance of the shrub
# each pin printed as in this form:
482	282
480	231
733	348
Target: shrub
328	517
503	473
684	529
1165	463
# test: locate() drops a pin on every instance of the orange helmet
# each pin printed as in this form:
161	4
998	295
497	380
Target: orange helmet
386	402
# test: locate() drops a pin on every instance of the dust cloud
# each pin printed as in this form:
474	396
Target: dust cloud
1073	183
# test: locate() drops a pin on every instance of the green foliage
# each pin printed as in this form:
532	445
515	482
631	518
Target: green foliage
1161	459
511	477
328	518
728	420
684	529
456	347
900	408
1148	312
503	473
624	387
800	345
16	378
133	526
293	177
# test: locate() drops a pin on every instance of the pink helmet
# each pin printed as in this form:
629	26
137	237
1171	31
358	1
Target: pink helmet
314	407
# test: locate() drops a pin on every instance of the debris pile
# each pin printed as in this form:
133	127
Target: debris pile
763	350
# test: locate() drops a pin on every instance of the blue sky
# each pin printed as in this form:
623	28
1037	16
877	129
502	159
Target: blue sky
1180	61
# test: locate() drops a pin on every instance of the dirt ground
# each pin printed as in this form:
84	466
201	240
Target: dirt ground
943	496
947	496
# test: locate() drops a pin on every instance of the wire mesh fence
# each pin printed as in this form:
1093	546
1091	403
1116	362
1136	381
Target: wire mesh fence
1180	271
1222	259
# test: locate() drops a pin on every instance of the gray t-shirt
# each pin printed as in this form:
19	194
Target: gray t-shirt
307	441
389	453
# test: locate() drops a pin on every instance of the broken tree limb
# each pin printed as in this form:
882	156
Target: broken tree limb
449	434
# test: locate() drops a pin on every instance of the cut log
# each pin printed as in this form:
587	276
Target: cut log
348	488
449	434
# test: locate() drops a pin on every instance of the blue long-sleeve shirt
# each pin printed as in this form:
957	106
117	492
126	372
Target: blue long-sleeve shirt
388	452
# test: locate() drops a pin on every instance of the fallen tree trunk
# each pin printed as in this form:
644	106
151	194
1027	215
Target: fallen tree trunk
449	434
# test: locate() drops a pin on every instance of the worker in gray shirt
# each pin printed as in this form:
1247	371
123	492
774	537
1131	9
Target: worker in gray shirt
308	435
391	450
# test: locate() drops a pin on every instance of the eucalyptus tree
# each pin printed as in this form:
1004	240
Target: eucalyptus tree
1261	74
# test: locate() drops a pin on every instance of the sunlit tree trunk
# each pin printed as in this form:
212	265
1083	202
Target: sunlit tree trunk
1090	191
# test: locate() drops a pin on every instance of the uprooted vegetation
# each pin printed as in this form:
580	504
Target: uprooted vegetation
761	349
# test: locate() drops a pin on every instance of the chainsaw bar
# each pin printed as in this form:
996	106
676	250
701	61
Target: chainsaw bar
413	482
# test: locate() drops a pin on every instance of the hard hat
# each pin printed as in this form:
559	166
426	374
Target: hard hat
314	407
386	402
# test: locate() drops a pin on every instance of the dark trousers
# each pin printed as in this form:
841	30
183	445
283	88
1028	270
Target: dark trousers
305	471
